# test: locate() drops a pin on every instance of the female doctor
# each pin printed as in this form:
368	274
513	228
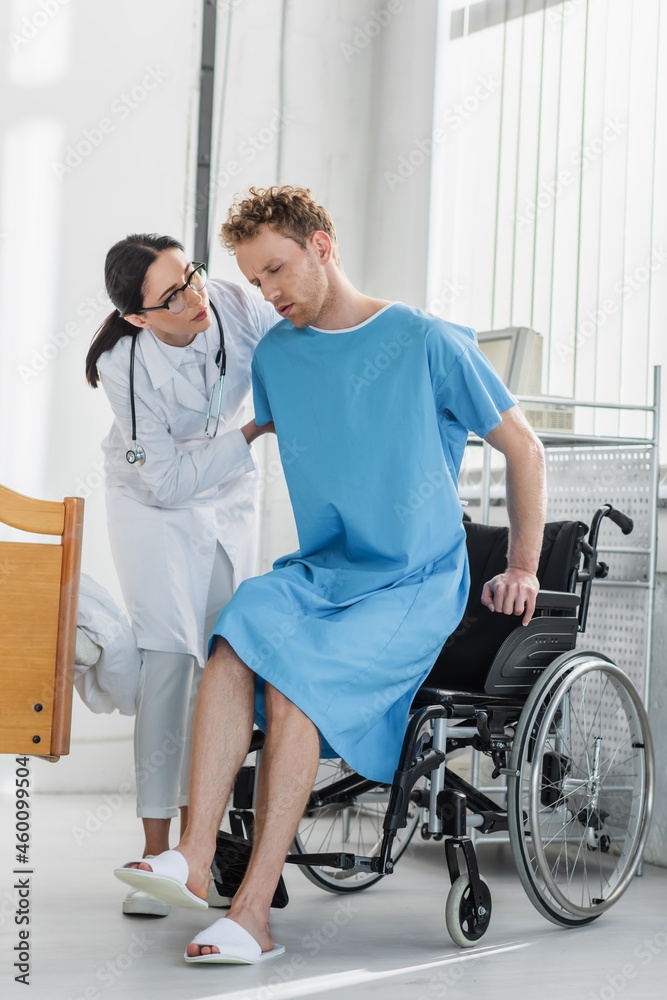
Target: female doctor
181	490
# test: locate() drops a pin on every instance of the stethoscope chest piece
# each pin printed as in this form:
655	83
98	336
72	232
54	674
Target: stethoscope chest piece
136	455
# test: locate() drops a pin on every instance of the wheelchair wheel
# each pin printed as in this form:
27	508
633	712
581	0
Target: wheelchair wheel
579	802
464	928
355	829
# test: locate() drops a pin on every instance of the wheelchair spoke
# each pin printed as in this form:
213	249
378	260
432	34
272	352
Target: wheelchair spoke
584	740
354	827
585	765
613	753
326	843
557	836
600	703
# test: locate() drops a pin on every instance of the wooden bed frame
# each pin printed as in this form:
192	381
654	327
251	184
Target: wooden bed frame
39	592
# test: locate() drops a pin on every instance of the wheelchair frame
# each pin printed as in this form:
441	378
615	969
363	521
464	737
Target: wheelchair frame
536	664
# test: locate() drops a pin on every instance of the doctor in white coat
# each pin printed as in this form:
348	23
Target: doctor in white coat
181	490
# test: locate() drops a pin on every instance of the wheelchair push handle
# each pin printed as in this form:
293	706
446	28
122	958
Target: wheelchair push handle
625	523
592	569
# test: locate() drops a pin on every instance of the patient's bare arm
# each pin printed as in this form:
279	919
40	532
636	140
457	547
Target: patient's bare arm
515	590
252	431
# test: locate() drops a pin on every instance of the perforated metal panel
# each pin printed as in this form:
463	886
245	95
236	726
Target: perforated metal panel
579	480
617	626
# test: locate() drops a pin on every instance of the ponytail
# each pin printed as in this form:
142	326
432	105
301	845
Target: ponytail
124	273
108	335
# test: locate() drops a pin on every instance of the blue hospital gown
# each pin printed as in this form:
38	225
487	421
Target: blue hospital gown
371	423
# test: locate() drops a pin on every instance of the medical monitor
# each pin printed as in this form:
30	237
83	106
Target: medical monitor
516	354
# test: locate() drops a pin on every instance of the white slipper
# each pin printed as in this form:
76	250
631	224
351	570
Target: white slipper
166	882
138	902
237	946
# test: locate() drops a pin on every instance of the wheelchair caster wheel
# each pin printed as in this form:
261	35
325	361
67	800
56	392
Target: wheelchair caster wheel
464	926
603	844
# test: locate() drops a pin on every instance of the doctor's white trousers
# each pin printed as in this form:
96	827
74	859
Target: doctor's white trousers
166	698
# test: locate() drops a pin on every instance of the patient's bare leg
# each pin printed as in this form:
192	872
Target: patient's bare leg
286	777
220	740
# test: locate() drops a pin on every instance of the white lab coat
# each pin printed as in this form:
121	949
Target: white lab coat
166	516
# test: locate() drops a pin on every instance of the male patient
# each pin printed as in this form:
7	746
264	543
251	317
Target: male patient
372	402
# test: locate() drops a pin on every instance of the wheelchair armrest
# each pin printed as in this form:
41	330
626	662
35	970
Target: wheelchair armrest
556	600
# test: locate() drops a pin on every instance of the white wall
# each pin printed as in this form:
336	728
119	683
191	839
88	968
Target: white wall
120	89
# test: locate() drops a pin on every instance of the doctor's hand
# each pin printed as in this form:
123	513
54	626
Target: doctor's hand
512	593
252	431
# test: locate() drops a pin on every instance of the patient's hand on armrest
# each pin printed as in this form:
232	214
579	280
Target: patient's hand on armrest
512	592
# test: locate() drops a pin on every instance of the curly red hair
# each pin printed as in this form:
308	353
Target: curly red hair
291	211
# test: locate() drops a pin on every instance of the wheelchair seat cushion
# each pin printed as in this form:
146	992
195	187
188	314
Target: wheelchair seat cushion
465	658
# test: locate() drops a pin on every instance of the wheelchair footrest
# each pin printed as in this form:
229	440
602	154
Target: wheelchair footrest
343	861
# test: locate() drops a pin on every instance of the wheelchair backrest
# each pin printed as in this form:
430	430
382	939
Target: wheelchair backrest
466	657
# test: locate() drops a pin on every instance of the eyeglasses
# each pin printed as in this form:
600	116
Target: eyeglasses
178	300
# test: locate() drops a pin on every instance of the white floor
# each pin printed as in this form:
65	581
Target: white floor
387	942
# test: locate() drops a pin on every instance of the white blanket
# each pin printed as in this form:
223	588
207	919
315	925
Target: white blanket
112	681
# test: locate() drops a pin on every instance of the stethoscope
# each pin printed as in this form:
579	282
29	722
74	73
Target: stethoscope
136	454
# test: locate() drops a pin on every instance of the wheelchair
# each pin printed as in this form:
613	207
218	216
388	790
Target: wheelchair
564	725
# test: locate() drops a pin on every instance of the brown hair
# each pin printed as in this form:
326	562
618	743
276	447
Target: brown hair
291	211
